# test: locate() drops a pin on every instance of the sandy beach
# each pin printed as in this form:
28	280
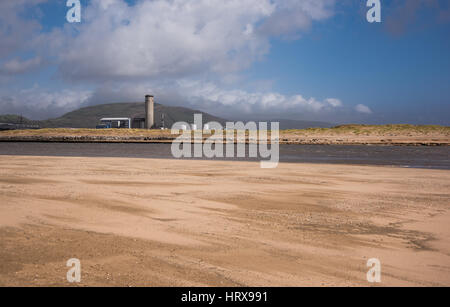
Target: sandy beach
144	222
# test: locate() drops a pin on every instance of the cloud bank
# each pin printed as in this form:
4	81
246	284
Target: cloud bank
176	39
185	51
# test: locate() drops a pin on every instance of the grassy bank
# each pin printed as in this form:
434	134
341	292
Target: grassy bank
346	134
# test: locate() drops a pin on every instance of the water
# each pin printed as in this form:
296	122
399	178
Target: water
404	156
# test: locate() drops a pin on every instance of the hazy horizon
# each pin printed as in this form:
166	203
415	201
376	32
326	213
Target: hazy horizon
251	117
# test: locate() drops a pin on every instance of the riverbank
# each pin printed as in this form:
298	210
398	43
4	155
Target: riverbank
144	222
401	135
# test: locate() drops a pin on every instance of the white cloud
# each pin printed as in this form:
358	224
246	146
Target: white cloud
15	30
175	39
163	39
363	109
292	16
251	102
334	102
39	103
17	66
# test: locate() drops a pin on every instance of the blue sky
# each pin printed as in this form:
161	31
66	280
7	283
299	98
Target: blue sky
359	62
314	60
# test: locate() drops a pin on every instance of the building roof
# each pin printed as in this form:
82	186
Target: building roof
114	119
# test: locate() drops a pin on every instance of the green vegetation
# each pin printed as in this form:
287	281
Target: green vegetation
374	130
356	130
87	132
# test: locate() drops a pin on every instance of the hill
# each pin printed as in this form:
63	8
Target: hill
89	117
16	119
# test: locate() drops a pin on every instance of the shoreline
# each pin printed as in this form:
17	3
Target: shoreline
237	161
164	140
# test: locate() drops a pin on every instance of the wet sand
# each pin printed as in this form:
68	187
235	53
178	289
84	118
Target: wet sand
144	222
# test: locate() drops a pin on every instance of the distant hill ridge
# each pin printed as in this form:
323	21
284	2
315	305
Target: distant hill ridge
88	117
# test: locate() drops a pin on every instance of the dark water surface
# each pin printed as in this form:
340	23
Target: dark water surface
405	156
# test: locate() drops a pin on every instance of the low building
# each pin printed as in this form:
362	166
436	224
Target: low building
147	122
118	123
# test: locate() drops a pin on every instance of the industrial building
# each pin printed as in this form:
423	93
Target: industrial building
149	111
118	123
136	123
